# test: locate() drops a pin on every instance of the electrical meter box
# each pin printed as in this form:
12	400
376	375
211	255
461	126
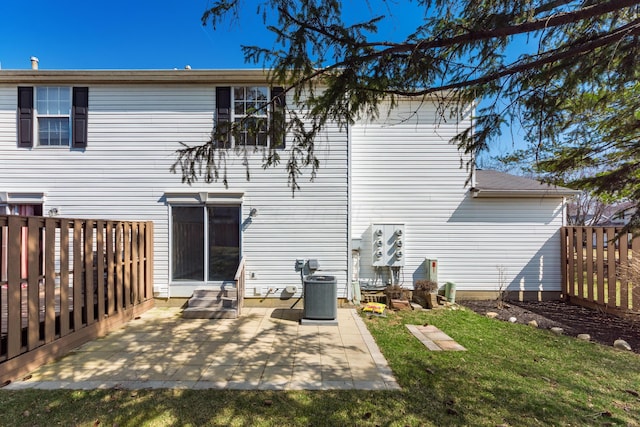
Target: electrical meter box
432	269
387	242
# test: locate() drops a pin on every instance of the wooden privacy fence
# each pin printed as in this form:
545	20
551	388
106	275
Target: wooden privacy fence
64	282
601	268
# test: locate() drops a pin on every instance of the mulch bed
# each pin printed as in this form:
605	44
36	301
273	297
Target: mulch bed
603	328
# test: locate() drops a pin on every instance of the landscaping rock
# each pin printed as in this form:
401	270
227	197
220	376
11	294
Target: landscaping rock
432	300
416	306
512	320
557	331
492	314
533	324
398	304
621	345
584	337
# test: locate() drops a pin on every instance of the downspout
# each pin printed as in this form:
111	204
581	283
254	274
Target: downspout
473	153
349	243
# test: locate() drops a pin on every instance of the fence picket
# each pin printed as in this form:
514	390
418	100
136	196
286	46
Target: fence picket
14	286
580	260
65	320
89	287
600	296
589	262
33	281
49	240
99	262
611	267
623	273
635	265
571	245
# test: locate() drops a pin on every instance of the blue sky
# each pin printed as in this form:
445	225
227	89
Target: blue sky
151	34
136	34
117	34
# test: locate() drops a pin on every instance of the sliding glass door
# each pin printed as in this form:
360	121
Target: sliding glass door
205	242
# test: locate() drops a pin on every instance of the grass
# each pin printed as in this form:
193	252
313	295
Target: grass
511	375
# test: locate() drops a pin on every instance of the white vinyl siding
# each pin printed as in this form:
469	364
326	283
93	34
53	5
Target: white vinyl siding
133	133
407	172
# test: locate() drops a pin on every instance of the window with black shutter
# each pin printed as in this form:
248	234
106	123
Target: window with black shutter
255	122
52	116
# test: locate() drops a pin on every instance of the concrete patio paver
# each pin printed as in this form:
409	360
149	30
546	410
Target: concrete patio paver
265	349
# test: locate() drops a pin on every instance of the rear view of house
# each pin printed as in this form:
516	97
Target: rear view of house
390	194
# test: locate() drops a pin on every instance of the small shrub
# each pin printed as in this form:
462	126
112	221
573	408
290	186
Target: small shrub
425	286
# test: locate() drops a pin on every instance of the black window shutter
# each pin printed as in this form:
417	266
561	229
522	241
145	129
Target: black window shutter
277	117
25	117
79	115
223	116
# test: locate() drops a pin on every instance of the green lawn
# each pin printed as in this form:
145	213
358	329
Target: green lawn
511	375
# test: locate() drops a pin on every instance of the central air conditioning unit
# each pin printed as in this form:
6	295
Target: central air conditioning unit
387	245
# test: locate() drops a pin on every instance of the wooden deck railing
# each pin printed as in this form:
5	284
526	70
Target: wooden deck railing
601	269
66	281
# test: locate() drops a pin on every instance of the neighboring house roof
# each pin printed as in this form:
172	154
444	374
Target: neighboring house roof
490	183
615	214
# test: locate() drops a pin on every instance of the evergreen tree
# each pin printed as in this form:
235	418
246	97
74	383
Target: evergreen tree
575	94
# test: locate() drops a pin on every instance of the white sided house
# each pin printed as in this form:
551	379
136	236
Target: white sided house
390	194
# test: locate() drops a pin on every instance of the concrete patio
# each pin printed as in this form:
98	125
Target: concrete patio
266	348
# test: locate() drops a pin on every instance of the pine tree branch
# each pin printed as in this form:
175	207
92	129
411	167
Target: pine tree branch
633	28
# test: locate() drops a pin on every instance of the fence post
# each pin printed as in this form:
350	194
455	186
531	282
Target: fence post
570	254
149	259
563	261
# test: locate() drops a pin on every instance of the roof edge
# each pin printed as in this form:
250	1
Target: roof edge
547	193
177	76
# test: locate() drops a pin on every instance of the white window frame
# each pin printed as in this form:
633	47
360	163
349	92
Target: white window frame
261	113
38	115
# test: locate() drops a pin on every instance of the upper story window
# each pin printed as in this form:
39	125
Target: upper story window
250	112
52	116
257	122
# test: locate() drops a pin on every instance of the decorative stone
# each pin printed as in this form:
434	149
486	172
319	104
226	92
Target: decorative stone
512	319
533	323
584	337
492	314
557	331
621	344
398	304
432	300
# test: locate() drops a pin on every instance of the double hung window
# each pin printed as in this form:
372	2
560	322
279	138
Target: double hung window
257	115
250	113
53	116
